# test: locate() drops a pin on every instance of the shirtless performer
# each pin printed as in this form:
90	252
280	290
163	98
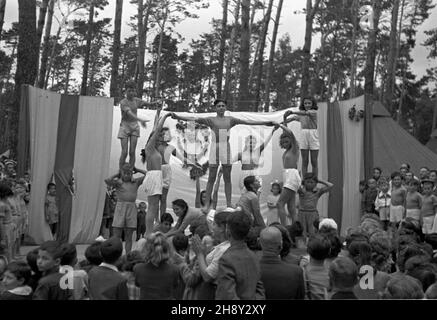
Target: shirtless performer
220	152
154	181
250	157
291	178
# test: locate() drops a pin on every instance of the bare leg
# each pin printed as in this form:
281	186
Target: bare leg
163	207
197	200
305	161
315	161
228	184
128	235
210	185
124	147
132	150
291	205
283	200
152	213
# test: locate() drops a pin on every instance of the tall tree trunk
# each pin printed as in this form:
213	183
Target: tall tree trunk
390	68
158	62
261	55
141	49
141	76
369	70
68	73
83	90
2	15
271	58
222	49
311	12
26	62
354	14
244	56
46	45
230	57
116	49
52	57
398	49
41	22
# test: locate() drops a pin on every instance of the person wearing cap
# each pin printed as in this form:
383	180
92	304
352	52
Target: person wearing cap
105	281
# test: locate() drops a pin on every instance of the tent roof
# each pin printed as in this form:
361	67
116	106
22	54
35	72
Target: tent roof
394	146
432	144
379	110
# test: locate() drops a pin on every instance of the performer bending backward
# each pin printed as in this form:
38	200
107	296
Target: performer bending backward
250	157
220	152
291	178
309	143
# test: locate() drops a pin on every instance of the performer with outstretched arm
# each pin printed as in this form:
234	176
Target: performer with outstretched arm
220	151
129	131
309	142
291	178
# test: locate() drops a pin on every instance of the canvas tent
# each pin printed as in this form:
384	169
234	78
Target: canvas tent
432	143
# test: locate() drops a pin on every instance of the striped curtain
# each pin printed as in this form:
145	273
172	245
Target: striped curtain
68	137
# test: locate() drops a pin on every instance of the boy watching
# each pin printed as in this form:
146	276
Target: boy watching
382	203
125	215
398	199
80	277
48	262
429	208
15	281
166	223
343	276
414	200
105	281
369	196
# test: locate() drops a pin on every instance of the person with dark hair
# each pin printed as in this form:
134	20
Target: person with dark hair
429	208
287	243
272	202
431	293
413	200
249	202
31	259
419	267
309	143
309	196
15	282
92	256
186	216
220	150
48	262
51	211
369	197
80	277
343	276
281	280
398	199
382	203
239	275
316	274
125	215
377	172
403	287
105	281
166	223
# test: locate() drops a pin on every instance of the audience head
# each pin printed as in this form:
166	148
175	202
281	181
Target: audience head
431	293
433	176
69	255
180	209
157	249
219	225
131	259
424	173
396	178
92	253
51	189
405	167
17	274
287	243
381	249
180	242
238	226
166	222
49	256
421	269
377	173
310	181
343	274
401	286
111	250
318	247
428	187
251	183
413	186
372	184
31	258
271	240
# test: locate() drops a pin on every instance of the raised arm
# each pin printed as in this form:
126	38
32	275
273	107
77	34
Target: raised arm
291	134
269	138
110	181
327	186
152	140
236	121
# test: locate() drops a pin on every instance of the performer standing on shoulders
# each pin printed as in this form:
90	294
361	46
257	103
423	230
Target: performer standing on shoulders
309	142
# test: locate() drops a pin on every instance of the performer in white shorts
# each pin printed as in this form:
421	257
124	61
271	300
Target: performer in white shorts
309	140
250	158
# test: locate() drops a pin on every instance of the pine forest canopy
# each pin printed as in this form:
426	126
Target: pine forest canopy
261	55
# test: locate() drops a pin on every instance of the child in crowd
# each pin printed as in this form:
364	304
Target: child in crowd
6	225
92	256
166	223
51	211
180	245
272	203
398	200
377	173
31	259
369	196
362	186
125	215
343	276
316	274
309	195
80	277
141	220
105	281
382	203
429	208
413	200
15	281
108	213
49	260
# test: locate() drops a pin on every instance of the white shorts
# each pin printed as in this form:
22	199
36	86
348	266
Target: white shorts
428	224
292	179
248	173
166	176
413	213
153	183
309	139
396	213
